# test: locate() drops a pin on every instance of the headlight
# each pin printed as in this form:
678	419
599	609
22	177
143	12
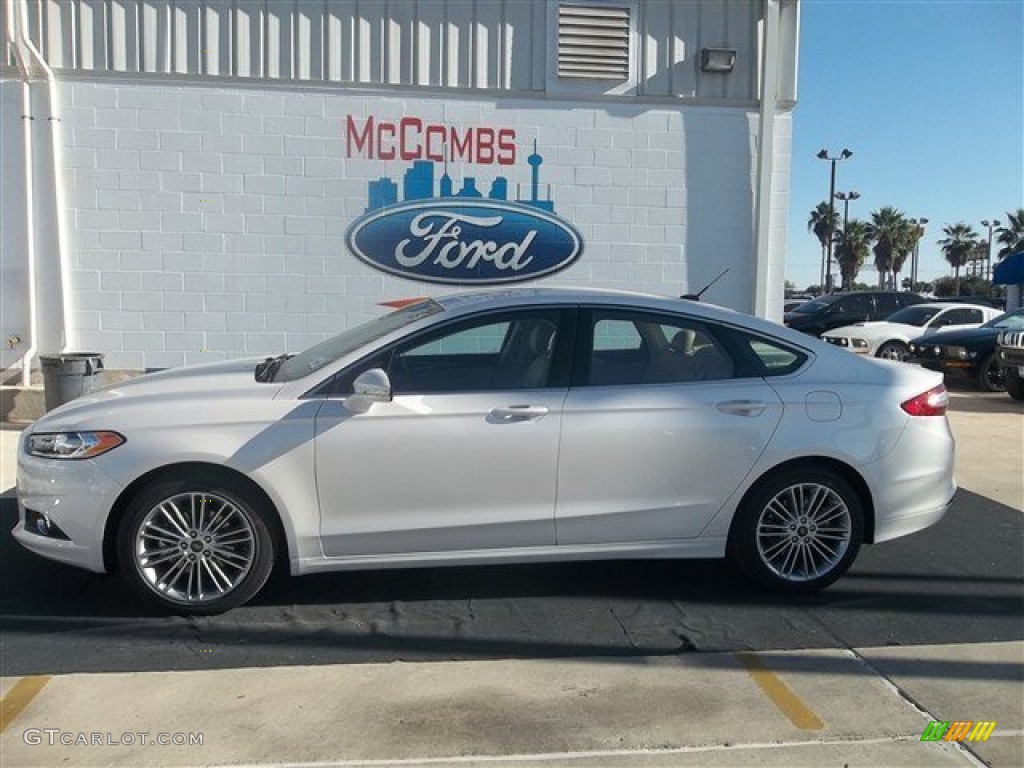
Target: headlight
72	445
957	353
859	343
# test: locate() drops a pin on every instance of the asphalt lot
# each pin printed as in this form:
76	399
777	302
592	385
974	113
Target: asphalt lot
604	664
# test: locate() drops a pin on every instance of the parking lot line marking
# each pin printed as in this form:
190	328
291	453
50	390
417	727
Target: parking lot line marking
19	697
798	713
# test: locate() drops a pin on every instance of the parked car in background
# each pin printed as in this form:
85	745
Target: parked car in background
1010	353
839	309
970	352
890	338
513	426
790	304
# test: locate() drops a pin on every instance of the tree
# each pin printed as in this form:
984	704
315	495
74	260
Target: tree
959	241
1011	237
888	231
851	251
823	226
907	241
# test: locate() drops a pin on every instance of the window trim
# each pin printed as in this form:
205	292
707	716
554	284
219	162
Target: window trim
561	358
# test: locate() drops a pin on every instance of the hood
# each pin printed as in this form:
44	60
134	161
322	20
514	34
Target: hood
960	336
228	380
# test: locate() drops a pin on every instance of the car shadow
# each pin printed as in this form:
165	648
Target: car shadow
959	581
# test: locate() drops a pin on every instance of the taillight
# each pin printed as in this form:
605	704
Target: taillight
930	403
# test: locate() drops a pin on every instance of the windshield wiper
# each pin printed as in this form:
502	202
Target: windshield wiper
266	370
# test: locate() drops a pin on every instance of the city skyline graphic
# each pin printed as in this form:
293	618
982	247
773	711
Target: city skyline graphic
418	184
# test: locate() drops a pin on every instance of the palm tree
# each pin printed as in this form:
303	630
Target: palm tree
959	242
888	231
852	251
908	238
823	229
1011	237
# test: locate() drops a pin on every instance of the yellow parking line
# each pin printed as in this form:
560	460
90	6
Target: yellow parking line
789	703
19	697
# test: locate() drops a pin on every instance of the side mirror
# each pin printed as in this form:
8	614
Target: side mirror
372	386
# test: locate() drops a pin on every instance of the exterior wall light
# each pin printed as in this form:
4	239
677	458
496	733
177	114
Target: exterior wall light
721	60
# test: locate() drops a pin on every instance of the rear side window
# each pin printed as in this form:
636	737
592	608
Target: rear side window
775	359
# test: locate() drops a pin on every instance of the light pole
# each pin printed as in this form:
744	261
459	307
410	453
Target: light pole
988	257
824	155
846	197
919	223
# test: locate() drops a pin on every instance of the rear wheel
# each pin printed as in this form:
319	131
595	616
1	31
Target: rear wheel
894	350
990	376
798	531
198	546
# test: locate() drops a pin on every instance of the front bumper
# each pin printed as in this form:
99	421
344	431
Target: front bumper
76	496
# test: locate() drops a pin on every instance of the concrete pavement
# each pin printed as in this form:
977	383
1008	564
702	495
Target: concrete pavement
862	706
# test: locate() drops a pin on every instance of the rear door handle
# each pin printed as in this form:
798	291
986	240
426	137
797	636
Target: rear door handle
512	413
742	407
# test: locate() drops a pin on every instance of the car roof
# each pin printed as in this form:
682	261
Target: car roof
949	305
485	300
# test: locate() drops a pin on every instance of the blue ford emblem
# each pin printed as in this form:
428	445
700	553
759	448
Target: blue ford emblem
462	241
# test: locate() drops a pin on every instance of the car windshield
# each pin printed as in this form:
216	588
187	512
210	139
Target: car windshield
914	315
810	307
1013	321
344	343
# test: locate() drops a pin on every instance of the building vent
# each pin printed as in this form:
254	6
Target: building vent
593	42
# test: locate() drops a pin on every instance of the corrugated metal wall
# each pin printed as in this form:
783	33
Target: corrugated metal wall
481	44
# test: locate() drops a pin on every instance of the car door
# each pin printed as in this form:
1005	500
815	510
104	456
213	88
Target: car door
652	450
464	456
850	309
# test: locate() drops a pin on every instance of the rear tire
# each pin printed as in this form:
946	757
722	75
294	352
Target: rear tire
797	531
990	376
196	546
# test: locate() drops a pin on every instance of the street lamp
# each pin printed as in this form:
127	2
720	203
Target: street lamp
988	257
824	155
917	249
846	197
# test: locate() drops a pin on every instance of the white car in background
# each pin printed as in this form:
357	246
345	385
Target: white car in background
890	338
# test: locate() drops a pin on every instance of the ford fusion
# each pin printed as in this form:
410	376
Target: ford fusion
515	426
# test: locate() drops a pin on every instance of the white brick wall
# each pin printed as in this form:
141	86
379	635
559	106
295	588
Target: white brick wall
208	223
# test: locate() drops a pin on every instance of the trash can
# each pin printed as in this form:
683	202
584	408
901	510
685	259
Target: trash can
70	375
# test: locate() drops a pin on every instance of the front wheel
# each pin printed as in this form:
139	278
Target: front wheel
1014	383
197	546
894	350
990	375
799	531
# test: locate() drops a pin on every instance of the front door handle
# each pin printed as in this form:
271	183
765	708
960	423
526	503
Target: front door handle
742	407
513	413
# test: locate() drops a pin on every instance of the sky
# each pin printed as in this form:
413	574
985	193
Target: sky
929	97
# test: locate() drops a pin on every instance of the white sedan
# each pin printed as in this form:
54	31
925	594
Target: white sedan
890	338
515	426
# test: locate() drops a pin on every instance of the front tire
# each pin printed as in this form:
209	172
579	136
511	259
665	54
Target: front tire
197	546
798	532
1014	384
894	350
990	376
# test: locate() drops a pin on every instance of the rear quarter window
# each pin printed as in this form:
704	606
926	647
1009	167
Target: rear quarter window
774	358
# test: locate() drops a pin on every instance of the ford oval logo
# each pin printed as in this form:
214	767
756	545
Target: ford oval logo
459	241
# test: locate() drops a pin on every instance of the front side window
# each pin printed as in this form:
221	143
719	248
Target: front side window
509	351
631	348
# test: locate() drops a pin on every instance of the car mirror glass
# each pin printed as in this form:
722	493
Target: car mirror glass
372	386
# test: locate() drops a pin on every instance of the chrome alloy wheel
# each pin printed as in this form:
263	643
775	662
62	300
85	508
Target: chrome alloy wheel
803	532
194	548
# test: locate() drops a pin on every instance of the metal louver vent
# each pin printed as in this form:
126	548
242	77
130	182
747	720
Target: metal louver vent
593	42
